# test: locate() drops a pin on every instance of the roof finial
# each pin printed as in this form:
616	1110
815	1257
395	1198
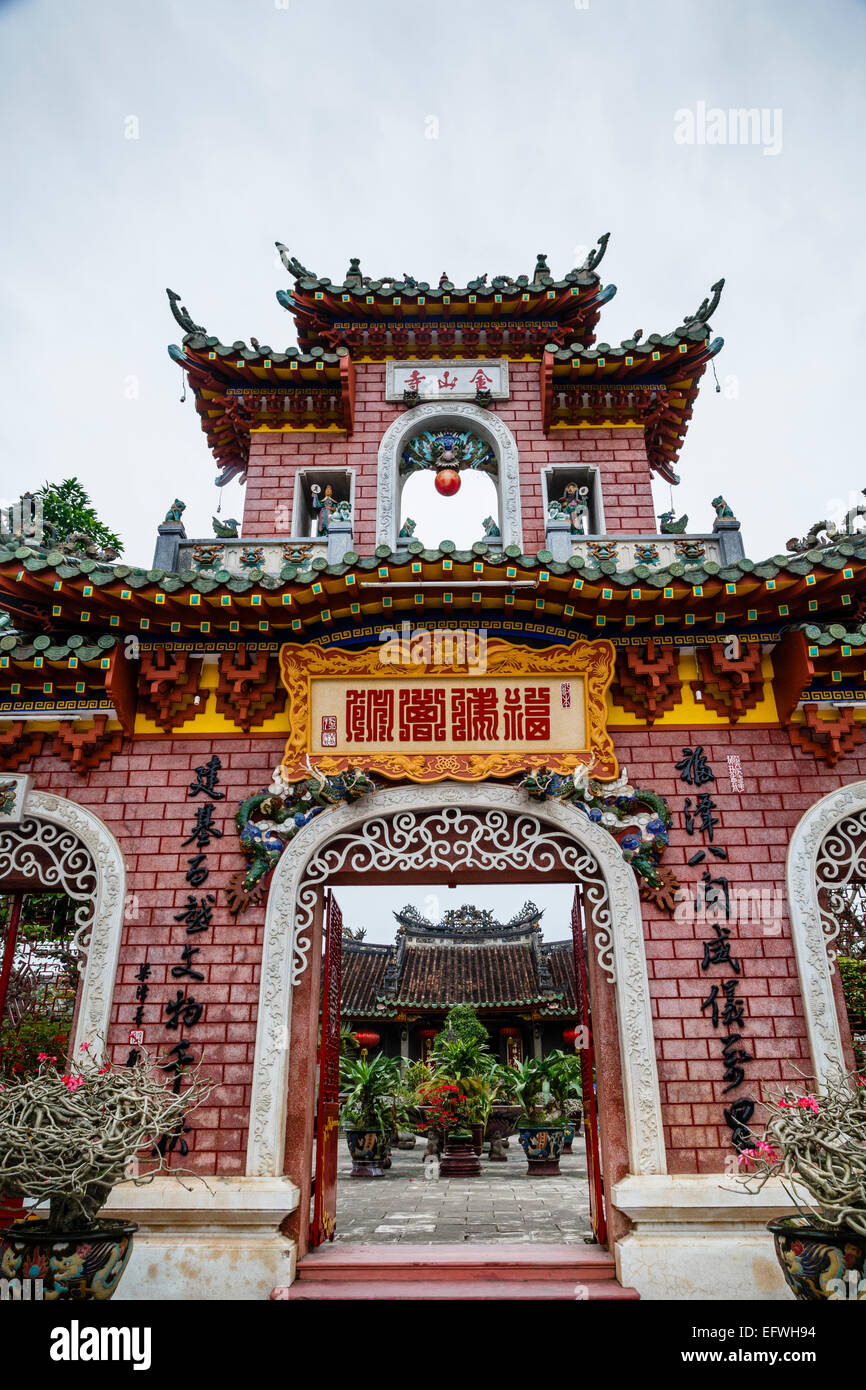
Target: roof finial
182	316
709	306
595	256
353	274
293	265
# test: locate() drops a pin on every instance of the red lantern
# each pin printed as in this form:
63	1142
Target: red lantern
367	1040
428	1032
510	1032
569	1035
447	482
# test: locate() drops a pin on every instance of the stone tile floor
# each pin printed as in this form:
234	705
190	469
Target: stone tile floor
502	1205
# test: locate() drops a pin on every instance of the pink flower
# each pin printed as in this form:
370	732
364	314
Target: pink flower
72	1083
85	1047
44	1057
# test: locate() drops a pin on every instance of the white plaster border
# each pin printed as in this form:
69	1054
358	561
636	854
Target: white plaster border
106	923
810	942
444	415
271	1066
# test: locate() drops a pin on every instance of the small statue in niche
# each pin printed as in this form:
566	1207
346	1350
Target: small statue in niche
407	530
723	511
572	506
174	513
669	527
325	506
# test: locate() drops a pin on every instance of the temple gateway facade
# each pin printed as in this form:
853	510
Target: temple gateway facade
202	748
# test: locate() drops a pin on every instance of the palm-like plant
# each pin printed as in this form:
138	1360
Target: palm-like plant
565	1079
534	1085
371	1092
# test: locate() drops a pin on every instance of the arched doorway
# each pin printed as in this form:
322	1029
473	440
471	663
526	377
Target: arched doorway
447	831
827	853
55	844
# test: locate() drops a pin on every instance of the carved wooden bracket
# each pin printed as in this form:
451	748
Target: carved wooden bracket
665	895
827	740
16	747
83	745
647	681
168	684
730	686
249	689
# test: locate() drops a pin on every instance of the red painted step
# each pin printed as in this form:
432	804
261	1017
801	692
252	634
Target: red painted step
572	1272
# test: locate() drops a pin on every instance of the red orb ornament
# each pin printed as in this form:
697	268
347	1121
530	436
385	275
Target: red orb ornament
367	1040
447	482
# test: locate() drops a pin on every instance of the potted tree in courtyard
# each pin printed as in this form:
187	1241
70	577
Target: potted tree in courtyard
369	1114
816	1145
462	1063
540	1126
67	1140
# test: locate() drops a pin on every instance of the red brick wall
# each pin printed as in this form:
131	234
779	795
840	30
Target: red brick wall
619	454
755	827
142	796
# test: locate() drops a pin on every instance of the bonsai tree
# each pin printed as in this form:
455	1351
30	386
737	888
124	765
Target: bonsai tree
816	1145
70	520
371	1093
69	1138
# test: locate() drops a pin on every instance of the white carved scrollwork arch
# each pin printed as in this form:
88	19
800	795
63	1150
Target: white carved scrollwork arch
487	425
826	853
486	828
60	846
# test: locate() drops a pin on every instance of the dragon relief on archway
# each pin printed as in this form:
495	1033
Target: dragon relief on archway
636	817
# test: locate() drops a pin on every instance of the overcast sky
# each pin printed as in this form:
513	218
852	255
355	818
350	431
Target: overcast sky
308	123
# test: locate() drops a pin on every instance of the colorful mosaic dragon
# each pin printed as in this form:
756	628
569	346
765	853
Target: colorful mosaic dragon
269	819
615	806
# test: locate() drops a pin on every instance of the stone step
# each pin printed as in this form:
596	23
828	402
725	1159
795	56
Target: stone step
458	1264
359	1290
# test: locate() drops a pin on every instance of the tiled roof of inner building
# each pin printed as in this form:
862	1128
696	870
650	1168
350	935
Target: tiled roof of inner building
363	976
560	959
476	974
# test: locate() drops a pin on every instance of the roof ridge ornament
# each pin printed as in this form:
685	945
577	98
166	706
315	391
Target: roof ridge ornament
182	315
596	255
708	306
293	265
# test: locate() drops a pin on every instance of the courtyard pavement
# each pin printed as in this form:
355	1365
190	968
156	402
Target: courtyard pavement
503	1205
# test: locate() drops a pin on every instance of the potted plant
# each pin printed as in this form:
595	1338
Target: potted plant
503	1113
450	1113
371	1111
565	1089
68	1139
816	1146
540	1126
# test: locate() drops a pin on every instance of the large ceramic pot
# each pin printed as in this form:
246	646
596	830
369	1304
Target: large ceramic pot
820	1264
459	1159
499	1125
370	1150
75	1266
542	1145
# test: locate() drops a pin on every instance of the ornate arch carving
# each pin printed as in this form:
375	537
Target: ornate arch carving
823	854
484	423
482	826
64	847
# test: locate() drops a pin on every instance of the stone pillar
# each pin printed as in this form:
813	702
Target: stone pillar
537	1050
557	536
171	533
404	1044
727	528
339	540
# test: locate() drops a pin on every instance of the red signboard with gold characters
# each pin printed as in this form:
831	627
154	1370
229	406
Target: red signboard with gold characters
508	709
